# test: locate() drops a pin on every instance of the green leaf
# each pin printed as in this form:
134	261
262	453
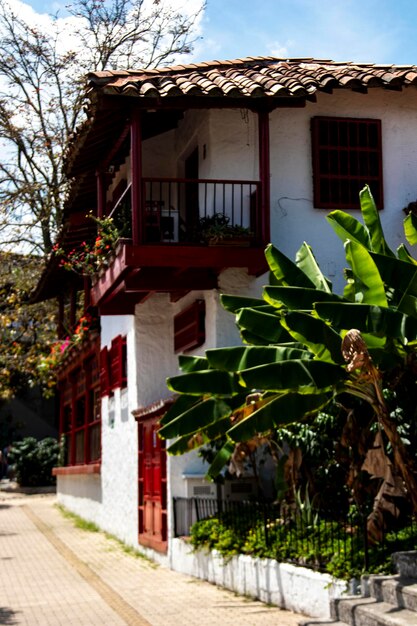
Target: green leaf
282	409
324	342
192	363
242	357
285	271
348	227
372	221
181	404
215	382
299	298
301	376
189	442
404	255
235	303
222	457
410	229
366	271
197	417
397	274
253	340
306	261
262	325
383	322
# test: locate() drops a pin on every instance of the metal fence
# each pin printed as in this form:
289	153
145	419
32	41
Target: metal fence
287	533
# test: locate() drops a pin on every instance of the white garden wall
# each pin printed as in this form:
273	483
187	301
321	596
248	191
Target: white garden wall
294	588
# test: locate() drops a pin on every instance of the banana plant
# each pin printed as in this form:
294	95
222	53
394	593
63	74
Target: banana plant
299	351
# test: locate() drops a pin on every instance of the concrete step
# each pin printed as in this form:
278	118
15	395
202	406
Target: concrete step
396	590
406	563
369	612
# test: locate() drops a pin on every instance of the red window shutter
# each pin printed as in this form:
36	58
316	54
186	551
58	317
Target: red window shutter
104	372
118	363
189	327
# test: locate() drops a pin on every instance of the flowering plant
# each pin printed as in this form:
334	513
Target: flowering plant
91	256
49	363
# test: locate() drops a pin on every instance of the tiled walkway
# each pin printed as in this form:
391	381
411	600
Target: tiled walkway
53	574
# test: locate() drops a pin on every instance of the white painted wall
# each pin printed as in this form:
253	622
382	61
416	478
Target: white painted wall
291	587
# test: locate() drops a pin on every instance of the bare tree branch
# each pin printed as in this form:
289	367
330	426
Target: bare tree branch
42	94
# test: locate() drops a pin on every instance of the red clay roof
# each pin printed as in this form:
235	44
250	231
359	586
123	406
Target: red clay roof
252	77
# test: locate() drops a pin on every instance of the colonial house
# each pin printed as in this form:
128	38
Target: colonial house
183	158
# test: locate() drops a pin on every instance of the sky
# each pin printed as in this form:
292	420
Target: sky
374	31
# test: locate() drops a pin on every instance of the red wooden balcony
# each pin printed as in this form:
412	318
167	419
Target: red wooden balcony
179	236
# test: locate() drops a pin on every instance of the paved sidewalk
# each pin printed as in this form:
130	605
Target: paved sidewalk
53	574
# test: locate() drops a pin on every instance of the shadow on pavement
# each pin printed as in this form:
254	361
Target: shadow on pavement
7	615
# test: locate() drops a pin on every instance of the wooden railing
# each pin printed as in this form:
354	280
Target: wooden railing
179	210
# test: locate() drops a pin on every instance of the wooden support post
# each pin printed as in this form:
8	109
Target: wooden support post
101	194
136	164
264	175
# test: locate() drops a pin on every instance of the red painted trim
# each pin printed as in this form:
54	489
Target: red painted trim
264	175
71	470
115	283
136	151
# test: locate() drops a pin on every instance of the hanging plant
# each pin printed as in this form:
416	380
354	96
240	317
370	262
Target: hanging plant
90	257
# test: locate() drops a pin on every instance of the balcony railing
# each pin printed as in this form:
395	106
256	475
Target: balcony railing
176	210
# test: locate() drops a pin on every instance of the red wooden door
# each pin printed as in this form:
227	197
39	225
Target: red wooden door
152	486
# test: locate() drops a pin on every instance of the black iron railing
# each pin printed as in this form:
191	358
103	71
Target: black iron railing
177	210
308	537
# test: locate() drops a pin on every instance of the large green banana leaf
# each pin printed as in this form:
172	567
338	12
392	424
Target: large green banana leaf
192	363
212	432
348	227
243	357
222	457
404	255
306	261
298	298
410	229
234	303
286	271
197	417
262	325
301	376
365	270
383	322
372	221
282	409
323	341
215	382
183	403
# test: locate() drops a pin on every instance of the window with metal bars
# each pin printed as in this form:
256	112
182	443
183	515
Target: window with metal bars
347	155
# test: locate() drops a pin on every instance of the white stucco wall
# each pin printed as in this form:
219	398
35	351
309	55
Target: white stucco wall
290	587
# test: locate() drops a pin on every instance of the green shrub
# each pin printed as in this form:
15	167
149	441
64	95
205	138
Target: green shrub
319	545
33	461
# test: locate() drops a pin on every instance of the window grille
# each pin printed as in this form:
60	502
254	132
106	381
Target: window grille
347	155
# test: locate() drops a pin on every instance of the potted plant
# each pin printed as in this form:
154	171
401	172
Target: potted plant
216	230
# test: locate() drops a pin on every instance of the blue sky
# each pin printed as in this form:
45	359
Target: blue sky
380	31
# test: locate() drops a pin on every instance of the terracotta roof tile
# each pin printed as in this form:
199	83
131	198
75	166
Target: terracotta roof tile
253	77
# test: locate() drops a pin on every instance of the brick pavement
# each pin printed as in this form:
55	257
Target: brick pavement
52	573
